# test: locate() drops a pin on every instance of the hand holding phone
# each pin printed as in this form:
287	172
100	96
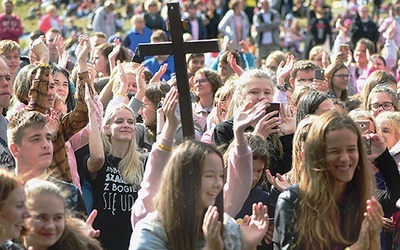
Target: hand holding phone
272	107
364	126
343	53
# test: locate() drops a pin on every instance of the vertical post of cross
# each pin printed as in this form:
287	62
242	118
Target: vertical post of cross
176	31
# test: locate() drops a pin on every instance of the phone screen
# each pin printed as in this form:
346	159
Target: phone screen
272	107
363	126
319	74
344	48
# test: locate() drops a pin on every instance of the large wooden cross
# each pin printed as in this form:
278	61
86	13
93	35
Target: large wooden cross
179	49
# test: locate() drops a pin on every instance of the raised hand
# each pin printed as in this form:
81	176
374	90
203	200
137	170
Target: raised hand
267	125
161	71
254	228
140	80
114	53
378	146
53	122
232	62
284	69
87	226
40	50
248	114
121	87
288	120
63	59
89	100
92	73
59	43
169	106
212	229
245	47
83	48
374	215
278	181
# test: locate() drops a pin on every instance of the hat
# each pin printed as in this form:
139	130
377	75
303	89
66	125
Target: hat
7	1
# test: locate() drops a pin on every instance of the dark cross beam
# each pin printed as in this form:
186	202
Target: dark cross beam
179	49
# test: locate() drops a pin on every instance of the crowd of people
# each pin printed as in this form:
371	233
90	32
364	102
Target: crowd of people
296	132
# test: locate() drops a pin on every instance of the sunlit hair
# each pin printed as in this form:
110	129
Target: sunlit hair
391	119
21	121
314	52
299	138
130	166
8	182
23	82
383	89
378	77
302	65
277	56
135	18
8	46
243	84
213	77
369	45
360	114
234	3
37	187
106	48
330	72
298	92
309	104
73	236
178	197
260	150
317	187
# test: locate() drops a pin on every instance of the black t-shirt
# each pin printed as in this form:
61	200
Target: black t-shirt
113	198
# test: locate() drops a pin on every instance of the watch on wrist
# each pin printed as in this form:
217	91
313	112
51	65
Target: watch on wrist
283	88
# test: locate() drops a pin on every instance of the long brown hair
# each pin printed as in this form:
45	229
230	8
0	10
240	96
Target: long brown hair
178	197
330	72
8	182
317	204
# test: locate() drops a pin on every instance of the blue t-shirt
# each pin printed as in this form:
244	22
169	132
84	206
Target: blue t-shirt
133	38
153	66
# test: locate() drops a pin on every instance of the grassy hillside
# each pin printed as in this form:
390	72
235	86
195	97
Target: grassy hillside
22	10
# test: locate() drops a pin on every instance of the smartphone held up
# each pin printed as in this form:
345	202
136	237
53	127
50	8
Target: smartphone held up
272	107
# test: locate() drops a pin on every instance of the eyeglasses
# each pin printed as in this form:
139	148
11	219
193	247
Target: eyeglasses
201	80
342	76
385	106
144	105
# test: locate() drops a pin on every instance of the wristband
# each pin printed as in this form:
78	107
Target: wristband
165	148
283	88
